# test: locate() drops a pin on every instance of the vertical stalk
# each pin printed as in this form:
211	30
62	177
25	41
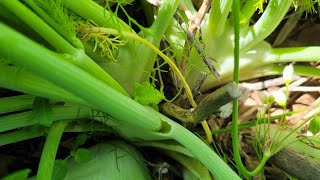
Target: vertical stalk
161	23
218	16
50	150
235	130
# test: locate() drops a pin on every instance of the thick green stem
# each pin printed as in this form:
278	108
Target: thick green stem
90	10
61	29
78	56
235	128
153	48
204	153
33	21
50	149
19	79
218	16
49	66
25	119
247	11
269	20
15	103
38	131
20	135
164	17
294	54
133	55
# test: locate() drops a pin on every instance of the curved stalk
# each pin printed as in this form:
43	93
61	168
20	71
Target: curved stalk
167	60
153	48
77	56
161	23
247	11
217	18
269	20
50	149
203	153
73	79
235	128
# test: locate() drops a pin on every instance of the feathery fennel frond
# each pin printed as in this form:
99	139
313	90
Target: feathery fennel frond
108	44
306	5
119	6
58	17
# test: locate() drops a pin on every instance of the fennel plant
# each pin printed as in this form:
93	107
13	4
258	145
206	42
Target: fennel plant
79	61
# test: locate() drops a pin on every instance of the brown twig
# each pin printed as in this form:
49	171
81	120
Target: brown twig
209	104
195	22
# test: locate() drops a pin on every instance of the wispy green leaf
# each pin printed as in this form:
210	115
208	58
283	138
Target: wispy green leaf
306	5
55	9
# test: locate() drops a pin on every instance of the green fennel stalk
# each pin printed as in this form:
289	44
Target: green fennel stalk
235	130
77	56
50	149
133	55
46	64
68	76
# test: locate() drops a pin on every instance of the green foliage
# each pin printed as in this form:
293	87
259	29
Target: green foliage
74	73
302	5
55	9
306	5
18	175
146	94
82	155
314	125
